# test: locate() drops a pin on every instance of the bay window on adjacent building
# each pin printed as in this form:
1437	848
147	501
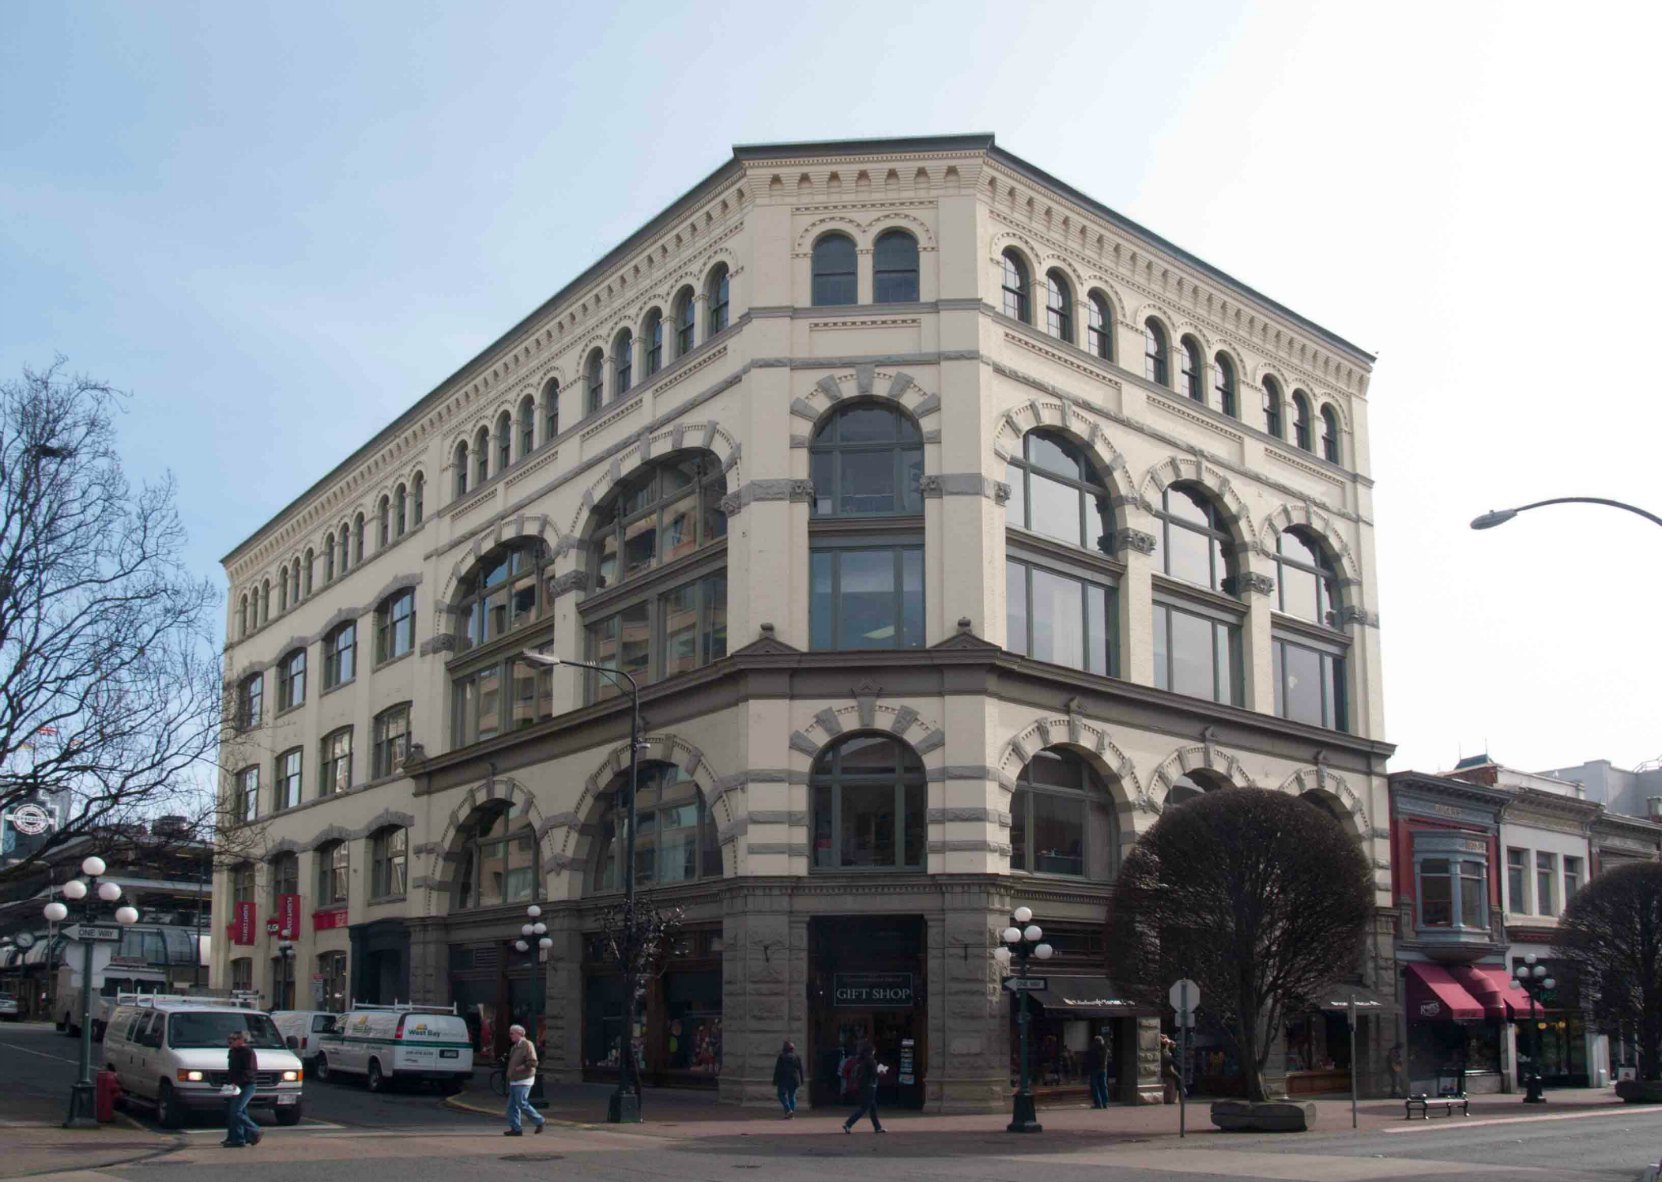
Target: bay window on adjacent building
389	862
1062	820
1546	883
1517	881
1453	892
1197	620
392	739
336	766
867	795
675	836
498	861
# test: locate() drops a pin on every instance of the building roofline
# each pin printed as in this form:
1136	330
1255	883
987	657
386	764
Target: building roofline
1431	782
743	154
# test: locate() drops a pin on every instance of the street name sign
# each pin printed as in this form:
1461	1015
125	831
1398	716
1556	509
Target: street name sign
89	933
1026	984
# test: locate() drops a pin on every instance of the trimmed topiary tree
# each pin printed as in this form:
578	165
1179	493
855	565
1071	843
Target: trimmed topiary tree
1612	933
1259	898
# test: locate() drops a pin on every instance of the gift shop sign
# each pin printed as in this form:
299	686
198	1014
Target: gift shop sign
872	991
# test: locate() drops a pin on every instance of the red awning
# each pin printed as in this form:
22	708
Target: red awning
1492	985
1434	994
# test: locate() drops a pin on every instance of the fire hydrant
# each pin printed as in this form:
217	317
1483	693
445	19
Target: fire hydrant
106	1091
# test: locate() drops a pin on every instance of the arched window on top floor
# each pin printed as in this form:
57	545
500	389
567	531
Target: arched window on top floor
400	510
343	537
717	289
265	601
310	565
418	485
895	268
329	557
1156	353
1058	306
283	590
623	362
1099	332
1330	435
1062	819
1303	433
594	381
1017	287
686	321
652	340
504	441
868	800
383	523
1273	422
1191	382
1223	385
527	426
835	276
867	458
481	456
675	836
460	464
242	616
550	410
357	539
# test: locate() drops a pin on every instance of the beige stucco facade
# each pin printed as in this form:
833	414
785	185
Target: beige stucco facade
747	728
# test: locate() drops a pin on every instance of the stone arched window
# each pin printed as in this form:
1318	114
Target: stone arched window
835	276
481	456
1193	785
1156	353
334	873
1309	657
623	362
675	836
383	523
685	321
1223	385
652	340
400	510
1056	490
389	853
1099	329
868	796
344	537
460	464
265	601
1062	819
329	557
1190	379
1273	420
895	268
717	290
867	458
550	410
503	593
308	566
1330	435
498	860
1197	636
242	616
527	426
504	441
1016	286
418	485
1058	306
1303	432
594	381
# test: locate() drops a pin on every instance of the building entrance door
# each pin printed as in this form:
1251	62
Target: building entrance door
867	984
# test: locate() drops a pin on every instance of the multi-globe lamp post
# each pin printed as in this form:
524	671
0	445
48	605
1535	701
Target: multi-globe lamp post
87	894
534	938
1533	977
1022	946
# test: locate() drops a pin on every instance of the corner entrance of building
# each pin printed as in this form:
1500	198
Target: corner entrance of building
866	982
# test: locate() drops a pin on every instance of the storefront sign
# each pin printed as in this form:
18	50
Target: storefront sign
872	991
1431	1009
241	927
288	917
322	921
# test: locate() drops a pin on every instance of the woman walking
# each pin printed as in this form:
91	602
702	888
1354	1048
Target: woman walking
866	1075
787	1077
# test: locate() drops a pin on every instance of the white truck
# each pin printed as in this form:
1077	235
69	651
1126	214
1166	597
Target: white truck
110	975
385	1044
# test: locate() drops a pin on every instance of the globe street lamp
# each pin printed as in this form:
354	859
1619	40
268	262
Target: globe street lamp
87	894
1022	945
1533	977
1496	517
534	939
624	1106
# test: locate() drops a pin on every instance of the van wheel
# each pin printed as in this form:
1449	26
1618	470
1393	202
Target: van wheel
376	1081
288	1116
321	1068
168	1112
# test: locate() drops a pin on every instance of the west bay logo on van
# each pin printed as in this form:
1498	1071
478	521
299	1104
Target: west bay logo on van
383	1043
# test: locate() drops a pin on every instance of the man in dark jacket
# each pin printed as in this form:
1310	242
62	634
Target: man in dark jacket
787	1077
241	1065
866	1075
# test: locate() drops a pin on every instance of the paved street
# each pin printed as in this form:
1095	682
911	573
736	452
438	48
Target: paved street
422	1139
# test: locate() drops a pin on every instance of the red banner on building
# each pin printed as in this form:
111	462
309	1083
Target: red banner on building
241	927
322	921
288	917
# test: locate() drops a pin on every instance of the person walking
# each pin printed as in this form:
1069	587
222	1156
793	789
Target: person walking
1393	1063
521	1073
866	1074
1096	1070
240	1129
787	1077
1170	1079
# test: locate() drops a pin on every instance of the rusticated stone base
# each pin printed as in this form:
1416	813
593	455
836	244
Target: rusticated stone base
1640	1091
1271	1116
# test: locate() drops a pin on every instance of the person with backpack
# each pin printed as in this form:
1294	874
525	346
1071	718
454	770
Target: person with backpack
867	1071
787	1077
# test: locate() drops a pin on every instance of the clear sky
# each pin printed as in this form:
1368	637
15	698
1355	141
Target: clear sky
278	225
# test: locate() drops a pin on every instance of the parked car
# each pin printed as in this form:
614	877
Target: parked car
302	1029
10	1010
170	1052
388	1043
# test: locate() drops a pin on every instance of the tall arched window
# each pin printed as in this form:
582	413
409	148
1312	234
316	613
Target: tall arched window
329	557
357	539
389	852
1302	433
242	617
868	795
685	321
1308	665
481	456
503	593
1017	302
498	690
867	458
1272	407
662	513
1099	328
1156	353
1192	383
550	410
675	837
310	565
283	590
895	268
1062	820
1223	385
418	485
652	337
265	601
1306	585
716	292
527	426
1197	639
498	863
334	873
459	463
504	441
400	510
1330	435
1058	306
623	362
344	535
1055	491
835	276
594	375
383	523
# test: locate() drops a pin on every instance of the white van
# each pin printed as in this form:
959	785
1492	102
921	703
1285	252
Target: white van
170	1051
302	1029
387	1043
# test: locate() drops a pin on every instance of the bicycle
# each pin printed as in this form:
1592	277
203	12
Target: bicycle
499	1078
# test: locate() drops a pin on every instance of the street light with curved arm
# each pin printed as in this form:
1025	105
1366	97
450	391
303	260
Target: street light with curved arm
1496	517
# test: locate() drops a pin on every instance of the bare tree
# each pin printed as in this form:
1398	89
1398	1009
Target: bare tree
1257	897
1612	933
109	683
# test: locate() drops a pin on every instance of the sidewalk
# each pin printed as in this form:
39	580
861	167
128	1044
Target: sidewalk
36	1141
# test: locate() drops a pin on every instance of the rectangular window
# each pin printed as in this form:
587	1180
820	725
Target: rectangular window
288	779
1474	892
1436	894
868	825
1197	655
1546	875
1309	685
291	680
1572	878
1066	621
395	626
340	653
252	702
867	598
246	804
242	974
1517	881
336	763
333	873
392	739
391	855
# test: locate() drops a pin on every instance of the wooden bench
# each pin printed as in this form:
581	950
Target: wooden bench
1426	1103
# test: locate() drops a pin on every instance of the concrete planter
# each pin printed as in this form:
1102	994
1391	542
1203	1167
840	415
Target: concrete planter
1271	1116
1640	1091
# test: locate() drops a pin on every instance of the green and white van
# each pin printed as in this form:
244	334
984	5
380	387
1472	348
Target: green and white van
397	1042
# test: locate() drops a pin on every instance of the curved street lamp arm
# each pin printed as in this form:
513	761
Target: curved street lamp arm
1498	516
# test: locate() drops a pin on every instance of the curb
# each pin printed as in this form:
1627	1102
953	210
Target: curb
461	1105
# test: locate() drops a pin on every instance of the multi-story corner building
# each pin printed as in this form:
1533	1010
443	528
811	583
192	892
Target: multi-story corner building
954	525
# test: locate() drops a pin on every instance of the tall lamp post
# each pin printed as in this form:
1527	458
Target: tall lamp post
534	939
624	1106
1022	945
285	983
1533	977
88	893
1496	517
